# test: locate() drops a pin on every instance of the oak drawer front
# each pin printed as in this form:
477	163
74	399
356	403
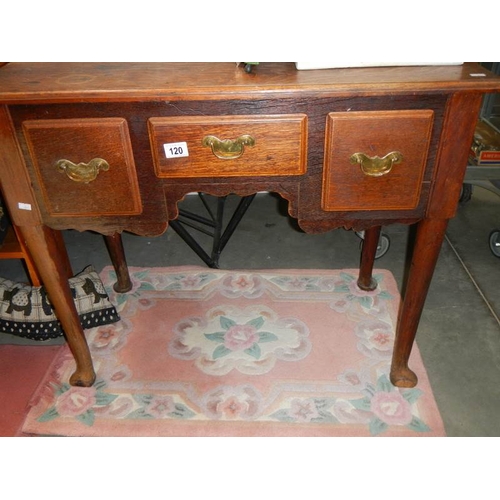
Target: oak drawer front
229	146
85	167
375	160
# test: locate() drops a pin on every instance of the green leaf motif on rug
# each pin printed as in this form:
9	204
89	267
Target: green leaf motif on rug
307	410
221	351
226	323
60	389
49	415
187	282
347	277
384	384
366	302
376	426
254	351
143	399
267	337
256	322
215	337
361	404
182	412
177	411
86	418
146	286
411	395
418	425
297	283
104	399
282	416
139	414
121	299
141	275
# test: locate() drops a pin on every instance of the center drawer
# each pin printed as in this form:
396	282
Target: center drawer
229	146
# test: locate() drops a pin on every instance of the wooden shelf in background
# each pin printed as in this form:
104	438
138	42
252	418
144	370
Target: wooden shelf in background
12	248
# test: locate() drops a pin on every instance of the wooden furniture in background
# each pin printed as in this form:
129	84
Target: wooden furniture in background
114	147
14	248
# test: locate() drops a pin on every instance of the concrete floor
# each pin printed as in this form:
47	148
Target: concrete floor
459	333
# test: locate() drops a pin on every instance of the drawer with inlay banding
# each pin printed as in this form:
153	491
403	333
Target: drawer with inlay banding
229	146
375	160
84	167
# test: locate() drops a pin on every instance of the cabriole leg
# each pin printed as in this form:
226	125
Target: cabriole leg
49	253
429	237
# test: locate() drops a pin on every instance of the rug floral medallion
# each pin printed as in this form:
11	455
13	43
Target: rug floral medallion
202	352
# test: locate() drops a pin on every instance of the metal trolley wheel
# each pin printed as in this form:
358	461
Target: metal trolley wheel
495	242
384	243
466	193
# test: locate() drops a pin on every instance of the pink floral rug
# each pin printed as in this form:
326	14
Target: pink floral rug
202	352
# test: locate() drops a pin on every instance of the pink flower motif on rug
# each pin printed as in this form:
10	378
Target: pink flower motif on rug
109	338
371	301
190	281
117	374
75	401
351	378
233	403
242	285
160	406
303	410
249	341
341	305
376	338
383	407
241	337
389	406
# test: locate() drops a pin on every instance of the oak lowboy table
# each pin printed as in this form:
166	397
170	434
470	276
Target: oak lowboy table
114	147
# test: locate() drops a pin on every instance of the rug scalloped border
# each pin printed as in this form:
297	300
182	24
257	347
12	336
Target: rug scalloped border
374	408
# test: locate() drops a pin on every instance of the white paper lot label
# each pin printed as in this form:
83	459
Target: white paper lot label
176	149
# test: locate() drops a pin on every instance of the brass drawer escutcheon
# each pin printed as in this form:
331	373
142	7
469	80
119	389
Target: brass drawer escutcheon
228	149
376	166
82	172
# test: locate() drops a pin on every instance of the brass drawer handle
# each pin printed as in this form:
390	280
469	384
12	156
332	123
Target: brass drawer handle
376	166
82	172
228	149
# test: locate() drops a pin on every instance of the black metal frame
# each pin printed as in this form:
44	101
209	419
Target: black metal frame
215	222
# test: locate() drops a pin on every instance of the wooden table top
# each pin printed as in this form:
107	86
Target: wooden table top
73	82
